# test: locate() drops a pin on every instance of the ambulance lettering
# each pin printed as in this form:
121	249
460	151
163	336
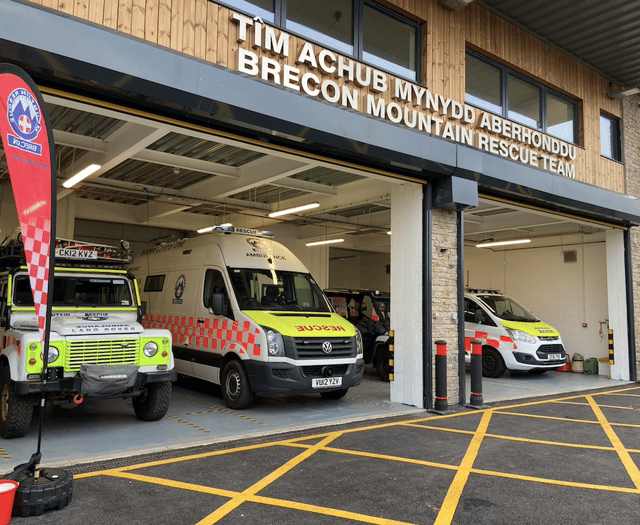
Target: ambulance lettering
316	328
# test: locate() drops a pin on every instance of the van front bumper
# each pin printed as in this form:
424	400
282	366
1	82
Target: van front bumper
282	378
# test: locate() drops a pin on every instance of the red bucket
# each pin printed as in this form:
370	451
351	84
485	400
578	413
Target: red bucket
7	494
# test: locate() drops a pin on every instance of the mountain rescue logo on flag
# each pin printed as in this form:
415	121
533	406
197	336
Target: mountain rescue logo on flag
23	114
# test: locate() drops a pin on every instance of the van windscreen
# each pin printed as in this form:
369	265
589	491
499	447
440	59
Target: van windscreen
265	289
508	309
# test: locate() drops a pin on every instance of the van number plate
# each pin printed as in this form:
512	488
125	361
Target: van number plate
554	356
324	382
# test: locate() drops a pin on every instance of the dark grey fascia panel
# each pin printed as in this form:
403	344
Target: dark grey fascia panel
522	182
455	193
294	114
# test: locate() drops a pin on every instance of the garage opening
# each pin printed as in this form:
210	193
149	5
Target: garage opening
568	274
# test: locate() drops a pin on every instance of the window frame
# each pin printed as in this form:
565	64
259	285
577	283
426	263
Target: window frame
616	144
505	72
357	6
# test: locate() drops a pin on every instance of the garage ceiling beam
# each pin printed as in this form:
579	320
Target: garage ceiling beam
252	175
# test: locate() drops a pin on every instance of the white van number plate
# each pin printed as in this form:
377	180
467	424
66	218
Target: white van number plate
554	356
325	382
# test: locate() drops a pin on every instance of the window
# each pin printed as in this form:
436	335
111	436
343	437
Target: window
497	89
214	284
154	283
610	138
360	28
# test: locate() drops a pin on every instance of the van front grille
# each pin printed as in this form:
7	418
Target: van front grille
101	352
312	348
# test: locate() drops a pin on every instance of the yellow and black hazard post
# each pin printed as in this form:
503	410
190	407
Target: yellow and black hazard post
611	347
390	344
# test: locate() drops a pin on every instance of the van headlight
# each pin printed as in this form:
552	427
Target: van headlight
53	355
359	345
520	336
275	344
150	349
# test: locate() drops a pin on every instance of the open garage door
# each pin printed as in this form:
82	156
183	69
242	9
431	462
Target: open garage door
569	274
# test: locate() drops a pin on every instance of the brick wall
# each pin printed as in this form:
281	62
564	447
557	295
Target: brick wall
444	269
631	159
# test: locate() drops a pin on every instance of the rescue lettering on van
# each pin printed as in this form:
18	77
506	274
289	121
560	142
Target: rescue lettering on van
318	328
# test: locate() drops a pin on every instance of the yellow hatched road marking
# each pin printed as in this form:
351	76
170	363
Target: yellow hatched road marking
555	481
450	503
623	453
535	416
587	404
267	480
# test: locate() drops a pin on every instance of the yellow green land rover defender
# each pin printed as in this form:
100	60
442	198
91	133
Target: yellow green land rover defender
98	348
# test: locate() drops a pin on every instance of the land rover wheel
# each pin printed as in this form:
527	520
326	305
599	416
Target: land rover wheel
15	410
492	363
153	403
335	394
235	386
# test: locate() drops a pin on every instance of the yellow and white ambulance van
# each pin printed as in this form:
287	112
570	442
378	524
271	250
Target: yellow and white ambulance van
512	337
246	314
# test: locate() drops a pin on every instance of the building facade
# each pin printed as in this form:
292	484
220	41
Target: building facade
456	106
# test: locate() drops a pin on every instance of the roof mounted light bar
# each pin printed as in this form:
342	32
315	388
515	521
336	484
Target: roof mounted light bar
243	231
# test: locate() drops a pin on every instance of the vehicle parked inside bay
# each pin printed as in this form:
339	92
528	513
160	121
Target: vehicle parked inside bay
512	337
97	350
370	312
246	314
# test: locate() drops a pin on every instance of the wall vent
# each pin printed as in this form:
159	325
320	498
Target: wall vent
570	256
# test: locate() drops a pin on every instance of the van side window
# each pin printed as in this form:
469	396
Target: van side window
22	295
213	284
470	308
154	283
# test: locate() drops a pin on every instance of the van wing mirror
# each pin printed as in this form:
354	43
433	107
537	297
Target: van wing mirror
478	317
217	304
143	308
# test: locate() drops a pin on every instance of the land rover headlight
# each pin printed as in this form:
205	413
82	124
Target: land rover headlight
275	344
359	345
521	337
53	355
150	349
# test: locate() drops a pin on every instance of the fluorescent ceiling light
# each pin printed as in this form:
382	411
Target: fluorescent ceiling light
328	241
206	229
503	243
389	232
89	170
226	225
295	210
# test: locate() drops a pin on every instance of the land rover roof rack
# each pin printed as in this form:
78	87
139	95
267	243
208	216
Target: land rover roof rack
69	253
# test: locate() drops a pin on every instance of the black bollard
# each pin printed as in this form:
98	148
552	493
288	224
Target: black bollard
441	377
476	374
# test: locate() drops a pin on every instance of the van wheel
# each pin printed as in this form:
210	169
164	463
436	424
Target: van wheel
153	403
335	394
235	386
492	363
15	411
382	364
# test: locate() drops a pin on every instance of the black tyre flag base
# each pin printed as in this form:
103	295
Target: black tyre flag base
52	489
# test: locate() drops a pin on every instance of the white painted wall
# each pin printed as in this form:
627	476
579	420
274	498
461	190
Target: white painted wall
406	293
617	304
356	269
564	295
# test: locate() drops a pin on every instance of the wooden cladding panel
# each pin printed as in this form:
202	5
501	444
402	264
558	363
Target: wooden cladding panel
203	29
